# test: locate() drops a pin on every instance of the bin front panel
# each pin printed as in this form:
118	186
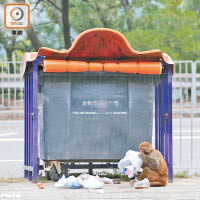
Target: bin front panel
99	117
93	117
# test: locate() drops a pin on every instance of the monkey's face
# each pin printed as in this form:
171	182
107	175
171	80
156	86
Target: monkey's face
141	149
145	148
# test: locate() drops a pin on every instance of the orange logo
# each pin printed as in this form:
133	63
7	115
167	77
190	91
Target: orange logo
17	16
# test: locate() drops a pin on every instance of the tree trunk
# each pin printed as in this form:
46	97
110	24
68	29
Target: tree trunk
32	36
126	6
65	22
9	58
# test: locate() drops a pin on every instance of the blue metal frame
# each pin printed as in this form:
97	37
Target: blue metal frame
31	122
163	118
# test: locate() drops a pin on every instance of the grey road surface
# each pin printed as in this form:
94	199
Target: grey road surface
186	152
180	189
11	148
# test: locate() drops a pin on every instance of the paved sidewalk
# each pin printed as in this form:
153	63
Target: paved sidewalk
180	189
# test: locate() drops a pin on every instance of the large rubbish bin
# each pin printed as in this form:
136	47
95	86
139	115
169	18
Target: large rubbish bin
94	101
93	117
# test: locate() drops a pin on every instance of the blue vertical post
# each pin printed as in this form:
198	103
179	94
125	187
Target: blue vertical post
31	122
169	122
163	118
35	117
157	117
25	126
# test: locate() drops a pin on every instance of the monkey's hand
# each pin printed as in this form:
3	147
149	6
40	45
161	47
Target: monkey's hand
142	155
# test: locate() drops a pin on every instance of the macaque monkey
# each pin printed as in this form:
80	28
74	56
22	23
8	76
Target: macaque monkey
154	165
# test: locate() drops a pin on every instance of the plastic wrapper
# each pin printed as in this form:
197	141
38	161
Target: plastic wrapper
144	184
130	164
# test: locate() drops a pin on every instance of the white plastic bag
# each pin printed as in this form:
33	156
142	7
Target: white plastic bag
70	183
84	176
130	164
92	183
142	184
124	163
129	171
61	182
107	180
73	183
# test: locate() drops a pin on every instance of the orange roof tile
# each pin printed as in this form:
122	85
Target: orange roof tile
99	45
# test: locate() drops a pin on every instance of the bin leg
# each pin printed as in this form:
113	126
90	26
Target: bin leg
90	169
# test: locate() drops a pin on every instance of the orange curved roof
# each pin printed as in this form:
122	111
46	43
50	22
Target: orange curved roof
99	44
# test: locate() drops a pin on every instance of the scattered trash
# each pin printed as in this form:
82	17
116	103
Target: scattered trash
40	185
130	164
101	191
107	180
10	195
144	184
128	171
84	176
117	181
124	162
61	182
82	181
71	182
92	183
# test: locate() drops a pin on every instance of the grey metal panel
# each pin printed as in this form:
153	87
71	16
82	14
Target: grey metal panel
94	117
140	111
56	100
